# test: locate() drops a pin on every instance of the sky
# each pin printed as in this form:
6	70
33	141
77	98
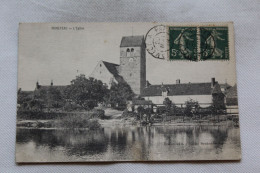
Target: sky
47	54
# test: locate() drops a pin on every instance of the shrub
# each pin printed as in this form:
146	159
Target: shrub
98	113
127	114
93	125
77	121
161	109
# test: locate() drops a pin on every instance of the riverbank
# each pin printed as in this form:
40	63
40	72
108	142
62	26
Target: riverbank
111	117
67	122
97	124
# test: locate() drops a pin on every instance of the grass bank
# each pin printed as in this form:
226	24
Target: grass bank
40	115
61	120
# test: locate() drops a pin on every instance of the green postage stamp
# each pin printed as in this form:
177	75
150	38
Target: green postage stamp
198	43
214	43
183	43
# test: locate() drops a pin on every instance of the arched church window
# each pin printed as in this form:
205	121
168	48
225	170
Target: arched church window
132	52
100	65
127	52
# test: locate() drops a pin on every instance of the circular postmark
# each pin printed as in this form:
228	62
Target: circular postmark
156	41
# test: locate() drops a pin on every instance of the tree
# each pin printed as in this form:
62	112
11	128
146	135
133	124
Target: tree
140	111
50	97
119	94
191	107
148	112
35	105
86	92
23	98
56	98
168	106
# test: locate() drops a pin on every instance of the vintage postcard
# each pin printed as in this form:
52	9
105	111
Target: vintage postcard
97	92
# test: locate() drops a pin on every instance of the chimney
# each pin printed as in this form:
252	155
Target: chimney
178	81
37	85
212	82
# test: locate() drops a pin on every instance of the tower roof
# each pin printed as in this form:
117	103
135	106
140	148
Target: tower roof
132	41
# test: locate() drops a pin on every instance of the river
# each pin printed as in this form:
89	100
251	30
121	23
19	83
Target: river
128	143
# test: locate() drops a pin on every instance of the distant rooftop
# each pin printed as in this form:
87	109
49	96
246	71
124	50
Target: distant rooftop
46	88
182	89
232	92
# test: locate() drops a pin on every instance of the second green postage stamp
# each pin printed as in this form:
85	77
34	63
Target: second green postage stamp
214	43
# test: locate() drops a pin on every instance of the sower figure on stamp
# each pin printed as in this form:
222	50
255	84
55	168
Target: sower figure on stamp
211	41
181	40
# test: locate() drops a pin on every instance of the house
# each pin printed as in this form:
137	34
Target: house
225	87
205	93
231	96
135	103
50	95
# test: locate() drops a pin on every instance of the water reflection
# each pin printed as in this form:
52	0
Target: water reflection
130	143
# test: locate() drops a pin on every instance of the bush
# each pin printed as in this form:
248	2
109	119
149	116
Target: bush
161	109
93	125
71	107
127	114
77	121
98	113
32	115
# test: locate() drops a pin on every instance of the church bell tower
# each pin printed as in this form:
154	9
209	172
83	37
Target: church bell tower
133	62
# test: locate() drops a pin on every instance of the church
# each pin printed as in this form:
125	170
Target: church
132	70
132	67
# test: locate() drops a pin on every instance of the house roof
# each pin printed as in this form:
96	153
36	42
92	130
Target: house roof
61	88
182	89
232	92
225	86
25	93
132	41
142	102
216	89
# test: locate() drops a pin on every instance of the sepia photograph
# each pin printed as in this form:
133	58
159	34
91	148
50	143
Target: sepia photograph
114	92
